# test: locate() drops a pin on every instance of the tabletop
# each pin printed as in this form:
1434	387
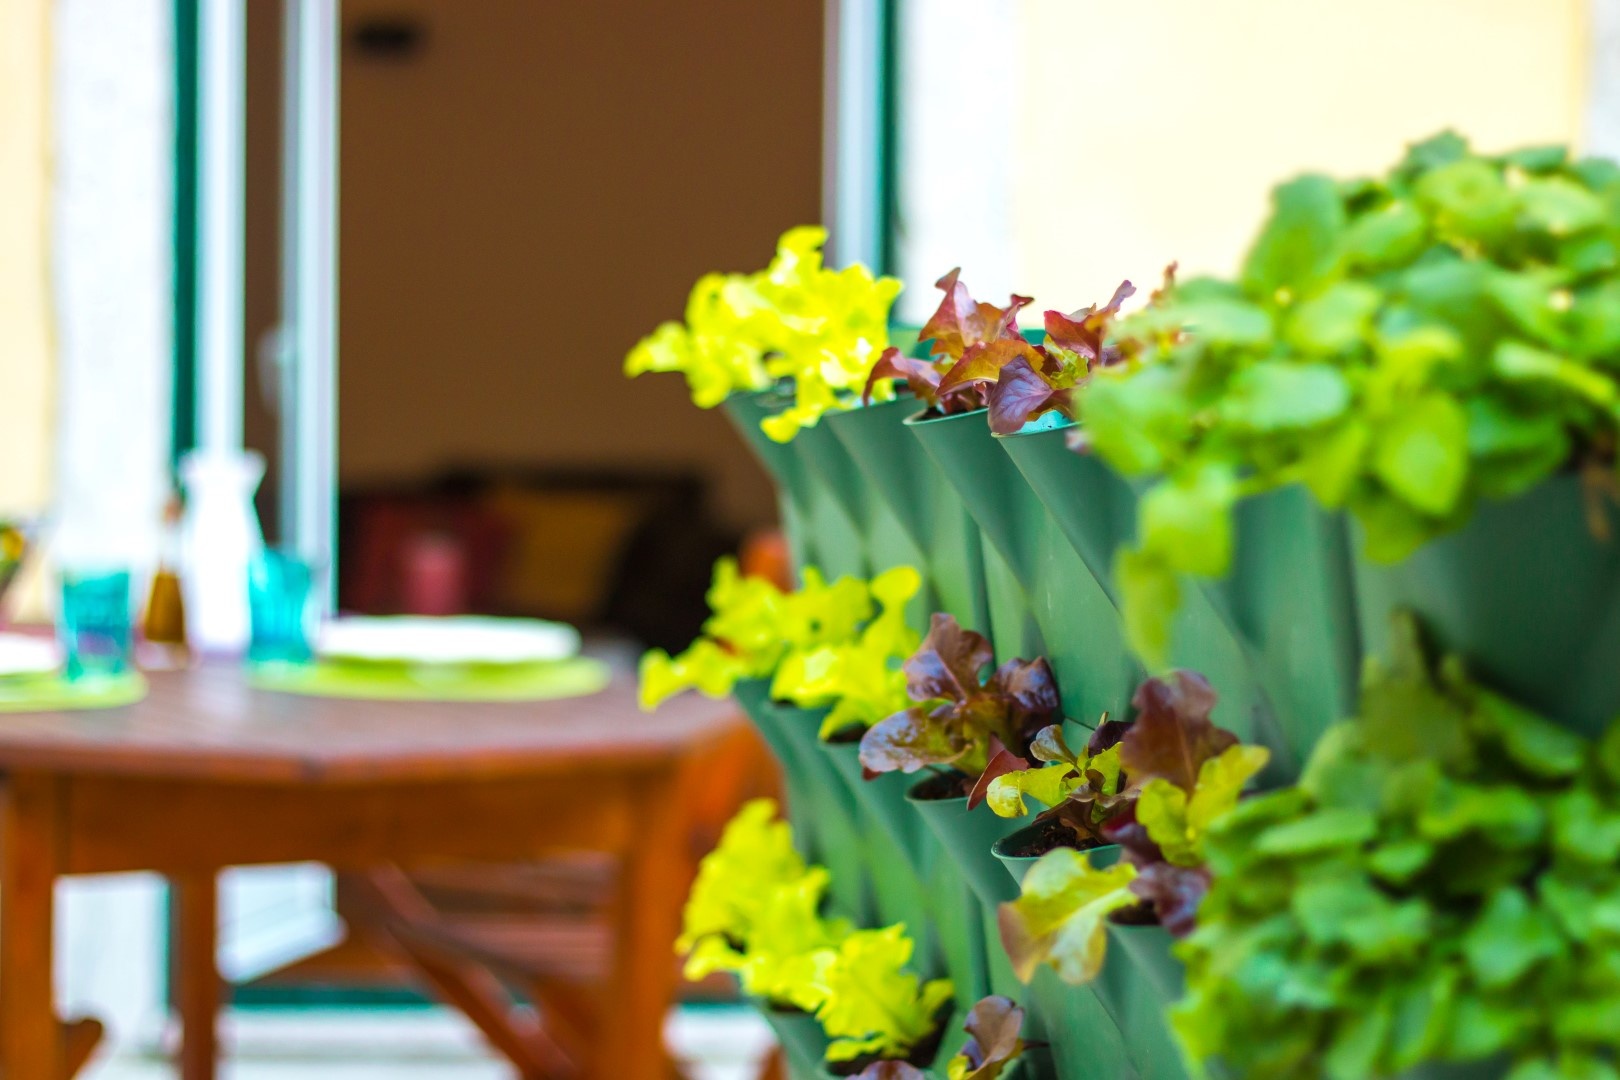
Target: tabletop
208	723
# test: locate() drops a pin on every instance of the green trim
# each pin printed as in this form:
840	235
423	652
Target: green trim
184	393
889	137
332	996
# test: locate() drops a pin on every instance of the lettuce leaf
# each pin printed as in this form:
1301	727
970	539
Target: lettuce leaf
1059	918
960	717
871	1004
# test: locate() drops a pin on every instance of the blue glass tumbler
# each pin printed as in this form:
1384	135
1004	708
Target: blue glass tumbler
280	587
95	624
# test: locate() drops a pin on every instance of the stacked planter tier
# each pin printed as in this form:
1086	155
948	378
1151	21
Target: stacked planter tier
1526	593
1277	638
1043	601
819	518
922	504
1016	536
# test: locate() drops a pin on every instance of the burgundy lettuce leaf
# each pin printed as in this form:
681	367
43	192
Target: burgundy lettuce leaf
909	741
959	719
948	662
1030	692
982	363
995	1029
1172	735
1002	762
891	1070
1022	393
1174	892
1108	733
961	322
922	376
1132	837
1085	332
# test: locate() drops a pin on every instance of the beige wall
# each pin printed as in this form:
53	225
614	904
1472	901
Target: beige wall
1159	127
27	410
538	188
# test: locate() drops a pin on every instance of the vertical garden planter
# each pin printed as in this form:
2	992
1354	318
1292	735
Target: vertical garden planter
1277	639
818	800
914	881
800	1036
1527	595
967	837
1290	595
787	472
921	503
1085	1024
853	529
1142	981
1033	575
753	696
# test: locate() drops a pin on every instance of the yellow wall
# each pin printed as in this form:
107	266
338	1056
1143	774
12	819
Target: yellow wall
26	409
1161	125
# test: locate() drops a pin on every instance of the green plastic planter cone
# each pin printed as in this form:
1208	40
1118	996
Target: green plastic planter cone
920	503
753	696
837	505
1140	980
1083	1040
895	884
1290	596
1094	512
882	798
1081	632
787	472
967	837
1091	504
825	823
1066	1015
1525	593
902	850
800	1036
1017	866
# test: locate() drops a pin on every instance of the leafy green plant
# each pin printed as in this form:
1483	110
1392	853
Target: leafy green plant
858	681
966	336
870	1005
797	321
1442	885
1060	916
754	910
961	719
979	359
995	1040
1403	347
838	643
1153	786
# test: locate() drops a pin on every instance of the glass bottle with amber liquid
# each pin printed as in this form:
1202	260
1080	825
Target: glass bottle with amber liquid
164	627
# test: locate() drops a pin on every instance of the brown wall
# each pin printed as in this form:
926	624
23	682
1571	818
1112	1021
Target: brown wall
534	190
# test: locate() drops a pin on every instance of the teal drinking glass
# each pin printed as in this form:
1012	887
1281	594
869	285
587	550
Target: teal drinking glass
280	587
95	625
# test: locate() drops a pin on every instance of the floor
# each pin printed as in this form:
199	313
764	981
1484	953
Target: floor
421	1044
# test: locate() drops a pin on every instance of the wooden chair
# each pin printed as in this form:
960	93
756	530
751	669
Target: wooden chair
545	932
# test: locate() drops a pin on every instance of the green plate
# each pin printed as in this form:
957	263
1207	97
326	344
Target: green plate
578	677
54	693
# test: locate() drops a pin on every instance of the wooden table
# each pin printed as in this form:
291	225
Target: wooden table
207	773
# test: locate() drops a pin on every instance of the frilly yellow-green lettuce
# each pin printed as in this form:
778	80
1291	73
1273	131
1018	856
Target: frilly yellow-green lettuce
795	321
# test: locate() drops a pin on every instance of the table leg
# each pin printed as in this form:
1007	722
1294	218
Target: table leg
30	833
643	983
197	984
